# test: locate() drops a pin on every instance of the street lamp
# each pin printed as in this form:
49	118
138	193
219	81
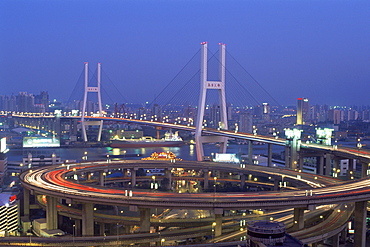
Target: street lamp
153	185
73	234
322	223
104	174
117	234
282	182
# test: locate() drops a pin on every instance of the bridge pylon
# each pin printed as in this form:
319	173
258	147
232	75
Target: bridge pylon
87	90
205	85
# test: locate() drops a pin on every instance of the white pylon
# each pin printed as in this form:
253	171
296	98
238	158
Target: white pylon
91	90
204	86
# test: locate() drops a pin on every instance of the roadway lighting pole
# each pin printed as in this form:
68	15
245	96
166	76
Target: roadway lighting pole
153	187
282	182
104	174
73	234
117	233
322	227
214	188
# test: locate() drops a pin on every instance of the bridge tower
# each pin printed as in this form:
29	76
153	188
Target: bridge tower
205	85
87	90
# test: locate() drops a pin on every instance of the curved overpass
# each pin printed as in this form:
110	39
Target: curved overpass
51	181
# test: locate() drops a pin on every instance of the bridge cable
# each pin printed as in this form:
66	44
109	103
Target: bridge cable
174	78
254	80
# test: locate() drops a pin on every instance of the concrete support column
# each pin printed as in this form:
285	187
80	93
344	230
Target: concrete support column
343	235
300	162
364	167
276	184
335	240
60	221
298	219
250	152
101	228
168	175
77	228
242	181
144	220
127	229
133	177
51	213
360	224
87	219
287	157
218	220
26	202
269	155
206	177
101	178
336	162
350	169
327	164
320	165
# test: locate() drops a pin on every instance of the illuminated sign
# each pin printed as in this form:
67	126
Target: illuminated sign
293	133
324	135
36	142
228	158
214	84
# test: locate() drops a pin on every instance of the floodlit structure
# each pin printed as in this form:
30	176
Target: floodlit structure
205	85
89	89
302	110
293	137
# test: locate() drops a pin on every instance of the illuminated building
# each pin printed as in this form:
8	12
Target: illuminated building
302	110
3	159
9	215
266	112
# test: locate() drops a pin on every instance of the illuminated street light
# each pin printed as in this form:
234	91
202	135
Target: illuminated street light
154	184
73	234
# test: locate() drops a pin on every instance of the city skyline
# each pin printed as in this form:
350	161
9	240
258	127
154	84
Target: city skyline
313	49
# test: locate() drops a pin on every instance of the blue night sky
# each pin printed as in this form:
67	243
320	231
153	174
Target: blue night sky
319	49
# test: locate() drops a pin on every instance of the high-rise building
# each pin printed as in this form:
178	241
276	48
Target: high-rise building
42	99
25	102
245	122
266	112
302	111
334	115
157	112
9	215
215	116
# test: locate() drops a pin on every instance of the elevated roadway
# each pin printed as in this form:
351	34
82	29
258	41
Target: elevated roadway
51	181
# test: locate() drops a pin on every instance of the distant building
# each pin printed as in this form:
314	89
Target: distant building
25	102
214	116
245	122
334	115
266	112
302	110
42	100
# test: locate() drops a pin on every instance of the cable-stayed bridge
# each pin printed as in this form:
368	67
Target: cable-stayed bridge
216	84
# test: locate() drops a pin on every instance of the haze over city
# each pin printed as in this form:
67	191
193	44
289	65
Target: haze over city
314	49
